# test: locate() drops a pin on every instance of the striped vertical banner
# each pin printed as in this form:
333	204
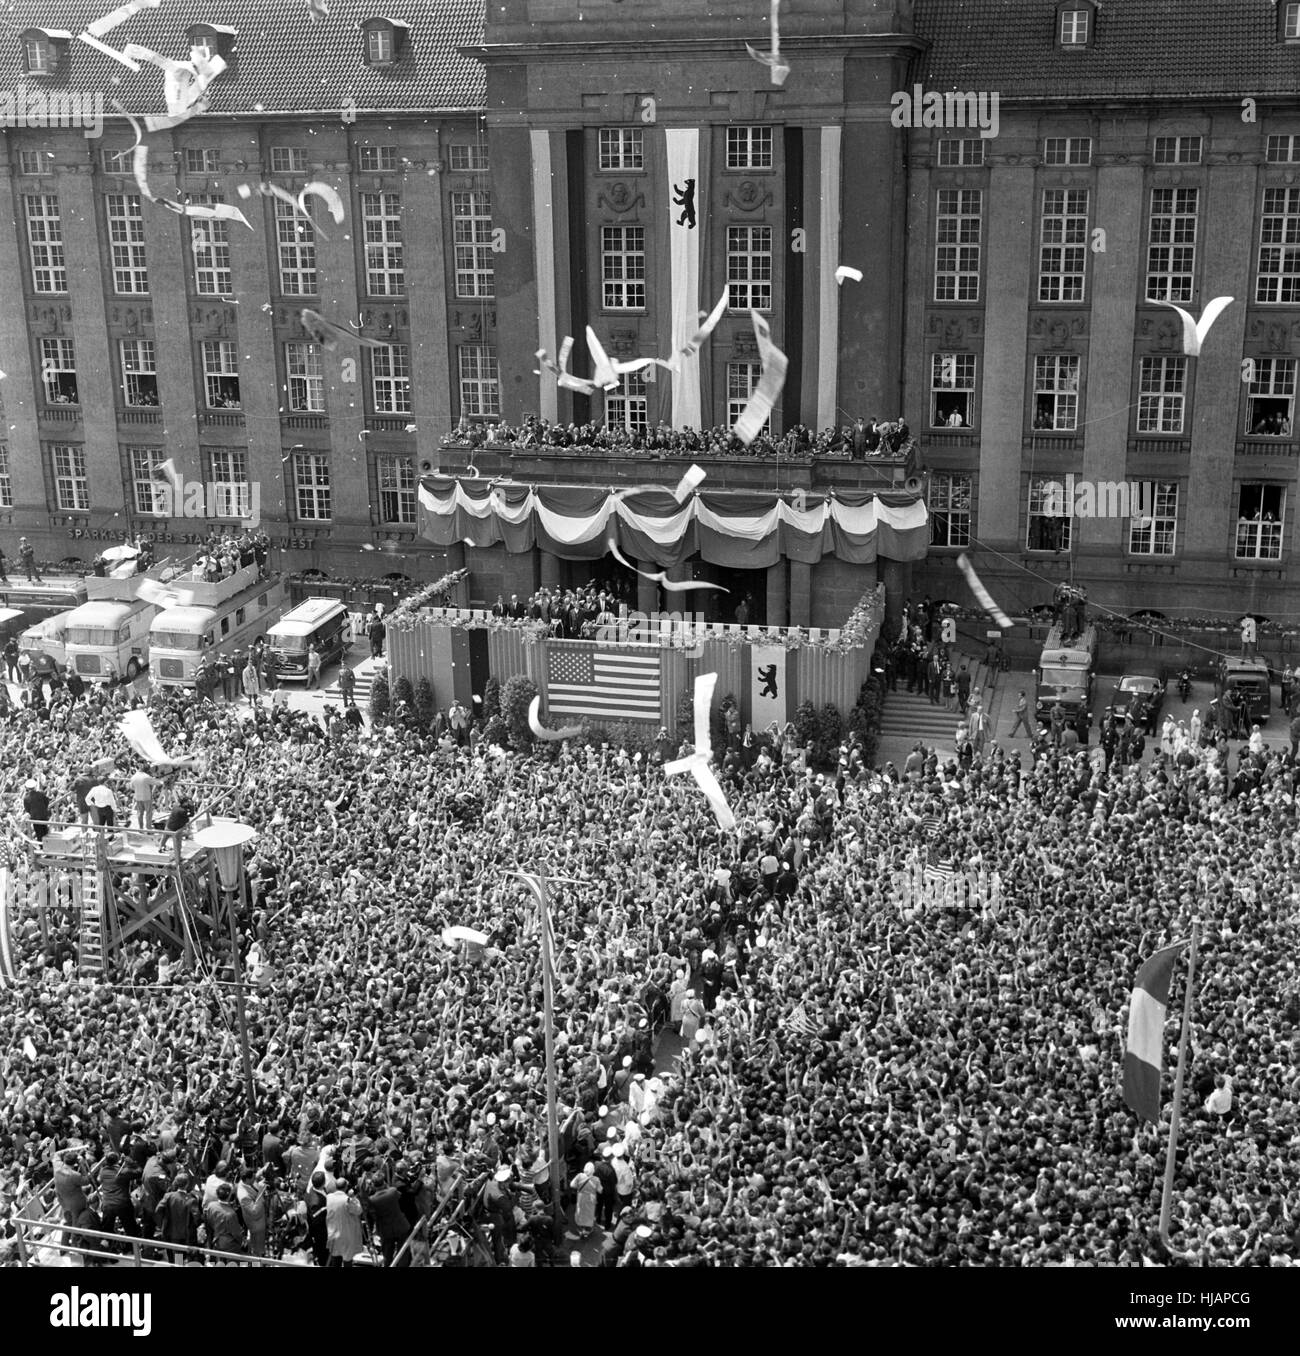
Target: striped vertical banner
506	654
677	675
731	664
828	258
682	146
544	247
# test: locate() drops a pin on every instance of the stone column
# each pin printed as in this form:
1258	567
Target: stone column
778	594
800	596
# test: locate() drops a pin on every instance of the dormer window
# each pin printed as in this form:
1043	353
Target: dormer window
44	50
1288	21
213	40
1074	24
385	41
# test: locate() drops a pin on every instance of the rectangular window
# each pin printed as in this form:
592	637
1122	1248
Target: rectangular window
1177	151
45	242
302	365
749	148
1282	150
1279	247
35	162
35	56
71	485
1063	254
1171	253
471	225
311	486
952	383
622	148
149	495
1161	394
396	479
126	235
957	244
1259	521
229	466
749	268
221	374
480	392
1153	527
468	159
288	160
1291	23
1074	27
296	245
390	379
1269	396
6	479
379	45
950	507
742	380
628	407
1067	151
381	216
1049	528
210	245
139	374
622	264
1056	393
115	162
59	371
202	160
961	151
377	159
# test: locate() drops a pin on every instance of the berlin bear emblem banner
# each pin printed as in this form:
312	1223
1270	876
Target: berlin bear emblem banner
767	690
682	146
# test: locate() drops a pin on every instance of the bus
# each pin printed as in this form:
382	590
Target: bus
108	638
46	599
322	620
216	619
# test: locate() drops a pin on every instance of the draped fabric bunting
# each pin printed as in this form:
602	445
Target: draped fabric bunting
739	530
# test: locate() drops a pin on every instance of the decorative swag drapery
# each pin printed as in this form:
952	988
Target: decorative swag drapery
739	530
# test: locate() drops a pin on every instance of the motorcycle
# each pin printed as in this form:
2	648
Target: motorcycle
1184	685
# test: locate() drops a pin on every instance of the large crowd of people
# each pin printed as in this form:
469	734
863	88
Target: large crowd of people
858	440
772	1049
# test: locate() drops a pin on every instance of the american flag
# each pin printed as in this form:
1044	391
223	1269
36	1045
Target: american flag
583	679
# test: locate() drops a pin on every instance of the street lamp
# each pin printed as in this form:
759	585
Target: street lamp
225	839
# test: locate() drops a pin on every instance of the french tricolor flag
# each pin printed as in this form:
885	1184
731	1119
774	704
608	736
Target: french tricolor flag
1144	1056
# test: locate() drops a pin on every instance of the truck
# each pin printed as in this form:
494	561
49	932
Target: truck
1065	676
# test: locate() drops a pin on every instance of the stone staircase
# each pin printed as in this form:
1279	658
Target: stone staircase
911	715
365	680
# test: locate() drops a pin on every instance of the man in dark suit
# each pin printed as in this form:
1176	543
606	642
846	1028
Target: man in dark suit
384	1208
517	608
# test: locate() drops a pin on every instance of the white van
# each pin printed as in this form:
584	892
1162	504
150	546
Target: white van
107	639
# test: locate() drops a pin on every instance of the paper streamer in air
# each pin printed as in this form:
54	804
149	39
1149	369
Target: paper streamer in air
687	483
160	595
541	732
560	369
709	325
606	372
184	84
770	383
846	271
321	329
982	595
29	1049
138	731
660	576
697	763
329	196
1194	331
773	59
8	974
456	934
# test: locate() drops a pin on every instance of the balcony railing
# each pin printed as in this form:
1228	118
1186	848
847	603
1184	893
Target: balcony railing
1263	446
149	416
378	424
1173	446
222	418
61	414
306	421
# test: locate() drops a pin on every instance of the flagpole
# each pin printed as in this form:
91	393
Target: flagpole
1166	1199
548	998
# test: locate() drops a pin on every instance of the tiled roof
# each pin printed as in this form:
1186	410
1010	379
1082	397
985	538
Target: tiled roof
1158	48
285	61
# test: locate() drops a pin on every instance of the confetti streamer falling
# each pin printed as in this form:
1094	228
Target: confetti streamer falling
660	576
845	271
560	369
984	597
770	383
697	763
541	732
1194	331
321	329
688	482
773	59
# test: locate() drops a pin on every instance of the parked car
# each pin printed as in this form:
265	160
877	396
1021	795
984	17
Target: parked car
1142	695
1250	682
44	644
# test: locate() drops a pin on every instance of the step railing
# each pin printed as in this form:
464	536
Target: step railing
36	1236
